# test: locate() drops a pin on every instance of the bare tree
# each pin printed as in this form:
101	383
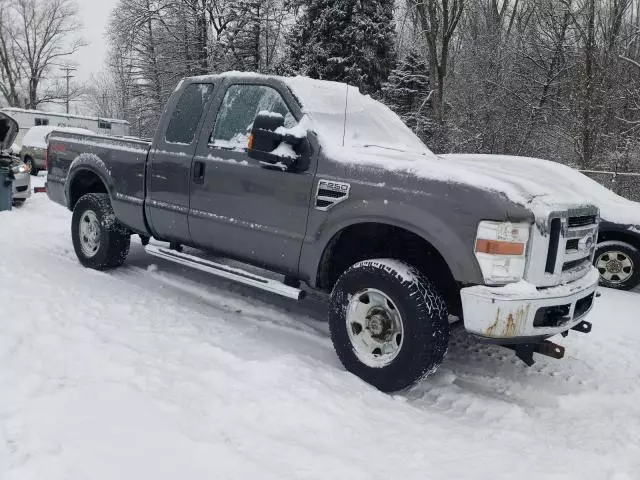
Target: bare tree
438	22
10	71
45	34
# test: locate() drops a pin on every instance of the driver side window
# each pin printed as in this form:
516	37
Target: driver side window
239	108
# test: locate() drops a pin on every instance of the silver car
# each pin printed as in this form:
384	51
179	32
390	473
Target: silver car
19	171
34	145
21	182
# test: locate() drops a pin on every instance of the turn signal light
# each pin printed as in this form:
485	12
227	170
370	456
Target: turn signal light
496	247
250	144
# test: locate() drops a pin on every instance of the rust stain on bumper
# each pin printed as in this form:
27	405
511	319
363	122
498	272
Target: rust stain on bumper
509	324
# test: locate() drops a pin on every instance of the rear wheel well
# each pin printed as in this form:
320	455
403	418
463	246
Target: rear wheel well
84	181
378	240
630	238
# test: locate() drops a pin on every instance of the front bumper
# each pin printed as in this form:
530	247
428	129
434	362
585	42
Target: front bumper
520	313
21	186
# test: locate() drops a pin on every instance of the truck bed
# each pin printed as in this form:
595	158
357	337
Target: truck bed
118	162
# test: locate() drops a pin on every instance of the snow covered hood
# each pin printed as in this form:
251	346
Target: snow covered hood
539	185
8	131
529	178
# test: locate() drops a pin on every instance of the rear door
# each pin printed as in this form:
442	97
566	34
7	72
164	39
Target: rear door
238	207
169	166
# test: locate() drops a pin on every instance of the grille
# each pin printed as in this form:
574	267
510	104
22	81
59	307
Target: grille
575	263
573	244
583	306
568	245
582	220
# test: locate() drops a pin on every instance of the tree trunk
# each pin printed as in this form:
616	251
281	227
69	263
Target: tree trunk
587	112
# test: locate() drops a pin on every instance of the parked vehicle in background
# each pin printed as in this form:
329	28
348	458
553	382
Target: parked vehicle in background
21	185
37	118
317	182
34	146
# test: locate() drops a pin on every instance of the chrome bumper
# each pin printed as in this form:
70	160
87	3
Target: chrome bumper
518	313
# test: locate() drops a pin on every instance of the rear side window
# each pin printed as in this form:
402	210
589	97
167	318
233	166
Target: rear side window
186	115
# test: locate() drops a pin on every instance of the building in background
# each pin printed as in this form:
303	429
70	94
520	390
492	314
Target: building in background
35	118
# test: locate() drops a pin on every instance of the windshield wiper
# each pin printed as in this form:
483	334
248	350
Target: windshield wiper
390	148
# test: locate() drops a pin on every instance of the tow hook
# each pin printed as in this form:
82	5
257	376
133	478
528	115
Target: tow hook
584	327
525	351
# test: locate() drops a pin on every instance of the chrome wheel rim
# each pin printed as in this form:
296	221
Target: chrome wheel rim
615	266
375	328
89	234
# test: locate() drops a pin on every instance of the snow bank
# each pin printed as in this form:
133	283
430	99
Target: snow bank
153	372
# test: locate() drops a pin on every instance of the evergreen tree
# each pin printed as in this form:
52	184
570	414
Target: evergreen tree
407	92
348	41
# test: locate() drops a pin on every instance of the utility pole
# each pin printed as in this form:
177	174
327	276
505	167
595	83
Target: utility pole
67	69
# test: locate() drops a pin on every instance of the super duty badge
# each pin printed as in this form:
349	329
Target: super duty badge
330	193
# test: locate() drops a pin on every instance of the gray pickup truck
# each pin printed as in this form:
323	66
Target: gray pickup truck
319	184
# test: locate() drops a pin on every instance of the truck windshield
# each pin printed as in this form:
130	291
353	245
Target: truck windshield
371	124
367	123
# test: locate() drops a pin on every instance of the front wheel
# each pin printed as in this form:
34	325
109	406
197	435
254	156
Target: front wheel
619	264
389	325
98	238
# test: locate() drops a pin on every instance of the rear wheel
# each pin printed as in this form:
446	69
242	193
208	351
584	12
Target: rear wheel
389	325
618	264
98	238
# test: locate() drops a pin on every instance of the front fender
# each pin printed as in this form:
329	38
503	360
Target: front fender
455	246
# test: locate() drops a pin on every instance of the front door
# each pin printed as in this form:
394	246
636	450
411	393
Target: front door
238	207
168	175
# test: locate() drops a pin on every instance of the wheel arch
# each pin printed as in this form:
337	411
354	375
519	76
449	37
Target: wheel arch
619	235
87	174
352	243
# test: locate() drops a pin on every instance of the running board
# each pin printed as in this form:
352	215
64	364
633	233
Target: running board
225	271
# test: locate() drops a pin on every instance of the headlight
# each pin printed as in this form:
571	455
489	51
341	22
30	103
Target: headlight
501	249
21	169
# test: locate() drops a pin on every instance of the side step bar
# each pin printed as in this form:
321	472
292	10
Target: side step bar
225	271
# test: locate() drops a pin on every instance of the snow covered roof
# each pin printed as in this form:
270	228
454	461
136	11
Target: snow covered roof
63	115
37	136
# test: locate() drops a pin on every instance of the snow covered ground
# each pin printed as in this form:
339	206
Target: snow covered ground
155	372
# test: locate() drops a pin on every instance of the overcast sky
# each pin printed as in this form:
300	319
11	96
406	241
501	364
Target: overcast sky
94	15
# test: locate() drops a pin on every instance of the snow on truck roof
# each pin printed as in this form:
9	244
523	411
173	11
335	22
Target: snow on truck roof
63	115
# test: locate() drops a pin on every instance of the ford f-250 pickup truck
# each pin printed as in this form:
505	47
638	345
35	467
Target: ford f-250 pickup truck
323	185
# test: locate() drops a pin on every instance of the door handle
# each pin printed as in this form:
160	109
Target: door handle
198	172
